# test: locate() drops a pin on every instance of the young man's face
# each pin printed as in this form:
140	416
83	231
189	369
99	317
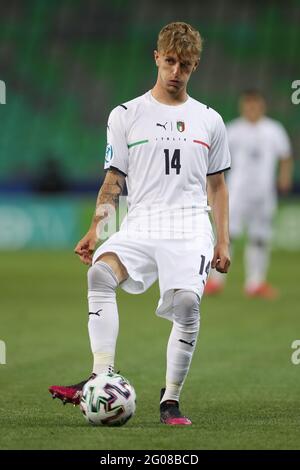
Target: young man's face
252	107
174	72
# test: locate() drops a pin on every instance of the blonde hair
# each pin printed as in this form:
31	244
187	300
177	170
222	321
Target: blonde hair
180	38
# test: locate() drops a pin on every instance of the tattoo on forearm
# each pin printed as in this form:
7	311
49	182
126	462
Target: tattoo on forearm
109	193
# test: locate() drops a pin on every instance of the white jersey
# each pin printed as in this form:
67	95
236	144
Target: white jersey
255	150
166	152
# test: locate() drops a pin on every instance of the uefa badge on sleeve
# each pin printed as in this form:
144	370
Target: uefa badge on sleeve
180	126
108	153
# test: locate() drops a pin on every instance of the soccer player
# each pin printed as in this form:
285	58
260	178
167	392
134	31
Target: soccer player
168	147
257	143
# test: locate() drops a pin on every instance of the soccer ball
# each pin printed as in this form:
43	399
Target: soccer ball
108	400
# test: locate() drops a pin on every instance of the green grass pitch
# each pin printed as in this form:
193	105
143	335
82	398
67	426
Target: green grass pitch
242	391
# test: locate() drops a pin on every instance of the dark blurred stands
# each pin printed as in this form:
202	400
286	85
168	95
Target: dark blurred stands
67	64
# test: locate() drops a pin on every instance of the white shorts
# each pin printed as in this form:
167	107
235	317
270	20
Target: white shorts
176	263
255	218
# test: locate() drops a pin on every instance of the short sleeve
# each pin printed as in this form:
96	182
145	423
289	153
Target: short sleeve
116	154
219	155
283	144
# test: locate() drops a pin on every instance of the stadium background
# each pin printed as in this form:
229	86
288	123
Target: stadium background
65	65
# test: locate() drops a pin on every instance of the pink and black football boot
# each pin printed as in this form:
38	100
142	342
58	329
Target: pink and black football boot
69	393
170	413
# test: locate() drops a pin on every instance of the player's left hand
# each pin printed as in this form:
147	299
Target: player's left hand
221	260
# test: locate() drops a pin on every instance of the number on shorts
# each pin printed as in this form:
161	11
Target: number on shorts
201	271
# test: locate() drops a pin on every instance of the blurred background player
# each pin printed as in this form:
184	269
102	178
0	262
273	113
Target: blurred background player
168	146
257	144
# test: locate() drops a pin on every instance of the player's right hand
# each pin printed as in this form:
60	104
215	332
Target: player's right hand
86	246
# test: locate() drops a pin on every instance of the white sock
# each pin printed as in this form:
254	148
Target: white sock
257	256
103	332
181	345
103	322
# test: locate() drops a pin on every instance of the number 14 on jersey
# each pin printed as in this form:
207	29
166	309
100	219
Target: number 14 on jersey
175	161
